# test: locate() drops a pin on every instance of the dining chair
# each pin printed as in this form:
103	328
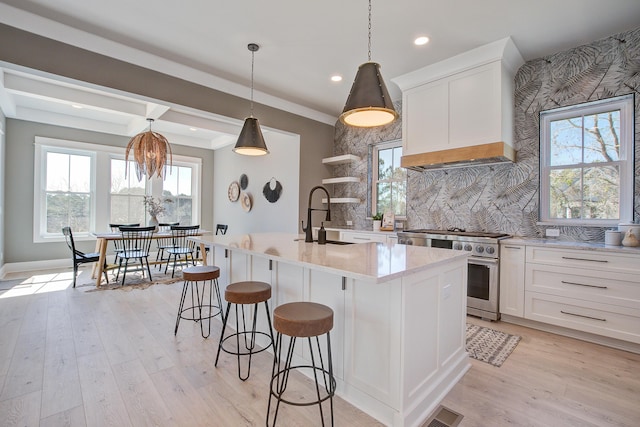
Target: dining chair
136	242
221	228
181	246
163	243
80	257
117	244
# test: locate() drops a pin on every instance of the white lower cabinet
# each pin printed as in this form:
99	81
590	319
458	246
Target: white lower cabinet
512	261
358	237
586	290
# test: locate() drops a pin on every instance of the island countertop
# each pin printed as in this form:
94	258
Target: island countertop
378	262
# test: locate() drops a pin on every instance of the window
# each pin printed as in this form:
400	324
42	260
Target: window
178	188
84	185
67	196
127	194
388	179
586	163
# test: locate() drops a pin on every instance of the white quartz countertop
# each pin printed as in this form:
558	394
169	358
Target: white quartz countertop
564	244
378	262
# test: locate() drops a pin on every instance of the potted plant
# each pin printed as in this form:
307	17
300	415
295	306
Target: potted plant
377	221
155	207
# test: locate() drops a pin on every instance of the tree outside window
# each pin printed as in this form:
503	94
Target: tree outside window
127	194
586	166
177	186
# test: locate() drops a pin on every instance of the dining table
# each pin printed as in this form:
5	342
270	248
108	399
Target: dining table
102	242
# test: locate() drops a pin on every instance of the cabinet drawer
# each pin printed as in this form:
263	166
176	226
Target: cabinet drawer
598	286
347	236
602	319
584	259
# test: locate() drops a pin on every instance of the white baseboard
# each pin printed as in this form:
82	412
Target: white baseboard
15	267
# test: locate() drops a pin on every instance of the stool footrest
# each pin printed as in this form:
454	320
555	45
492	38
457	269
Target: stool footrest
322	372
252	350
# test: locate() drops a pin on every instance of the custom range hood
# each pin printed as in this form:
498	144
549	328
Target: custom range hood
459	112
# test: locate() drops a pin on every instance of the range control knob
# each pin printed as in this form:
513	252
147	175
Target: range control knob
467	247
479	249
490	250
457	246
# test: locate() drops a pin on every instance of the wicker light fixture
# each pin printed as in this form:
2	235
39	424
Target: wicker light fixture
150	151
369	103
251	142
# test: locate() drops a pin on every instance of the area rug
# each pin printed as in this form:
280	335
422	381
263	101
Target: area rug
489	345
134	281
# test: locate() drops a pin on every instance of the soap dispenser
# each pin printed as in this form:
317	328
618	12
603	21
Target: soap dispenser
322	235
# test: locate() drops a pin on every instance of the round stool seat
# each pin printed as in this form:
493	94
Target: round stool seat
247	292
303	319
200	273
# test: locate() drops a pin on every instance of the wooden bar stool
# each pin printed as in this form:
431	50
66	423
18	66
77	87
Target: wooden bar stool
302	320
199	311
241	294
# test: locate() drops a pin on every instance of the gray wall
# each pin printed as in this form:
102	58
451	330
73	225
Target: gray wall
504	198
36	52
19	246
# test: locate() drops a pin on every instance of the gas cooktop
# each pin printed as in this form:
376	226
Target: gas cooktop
458	232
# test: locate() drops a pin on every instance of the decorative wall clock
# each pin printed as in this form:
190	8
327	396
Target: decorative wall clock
234	191
272	190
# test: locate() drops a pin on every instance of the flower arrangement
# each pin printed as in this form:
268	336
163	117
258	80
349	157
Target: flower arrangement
155	206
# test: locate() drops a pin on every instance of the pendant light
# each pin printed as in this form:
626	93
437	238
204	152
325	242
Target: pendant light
251	142
369	103
150	151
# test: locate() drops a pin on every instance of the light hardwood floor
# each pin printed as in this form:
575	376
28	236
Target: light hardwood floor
69	357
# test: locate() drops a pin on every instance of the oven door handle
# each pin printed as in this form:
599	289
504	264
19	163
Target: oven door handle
483	261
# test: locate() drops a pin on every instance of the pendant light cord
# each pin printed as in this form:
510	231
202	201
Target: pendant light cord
369	30
252	61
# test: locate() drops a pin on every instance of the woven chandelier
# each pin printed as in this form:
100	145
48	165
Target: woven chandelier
150	152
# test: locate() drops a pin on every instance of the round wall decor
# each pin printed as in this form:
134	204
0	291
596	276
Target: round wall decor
272	190
245	201
244	181
234	191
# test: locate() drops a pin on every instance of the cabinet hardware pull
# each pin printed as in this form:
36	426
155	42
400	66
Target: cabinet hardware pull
361	238
344	283
582	315
583	284
513	247
270	265
226	253
584	259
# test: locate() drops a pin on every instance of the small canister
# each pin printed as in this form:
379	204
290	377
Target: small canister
612	238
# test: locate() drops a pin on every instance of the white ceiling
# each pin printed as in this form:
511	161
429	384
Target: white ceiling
302	45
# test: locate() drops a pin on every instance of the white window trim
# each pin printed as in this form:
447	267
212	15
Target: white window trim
625	104
375	148
100	184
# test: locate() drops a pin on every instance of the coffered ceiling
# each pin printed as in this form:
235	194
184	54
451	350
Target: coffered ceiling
302	45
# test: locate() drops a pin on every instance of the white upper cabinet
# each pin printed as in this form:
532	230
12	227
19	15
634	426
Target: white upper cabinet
460	109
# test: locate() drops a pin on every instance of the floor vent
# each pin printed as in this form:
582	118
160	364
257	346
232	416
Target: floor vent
443	417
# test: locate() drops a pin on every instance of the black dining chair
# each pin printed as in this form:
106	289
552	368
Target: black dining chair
181	247
80	257
117	244
136	242
163	243
221	228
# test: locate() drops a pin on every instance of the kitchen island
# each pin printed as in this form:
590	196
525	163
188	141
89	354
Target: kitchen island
398	341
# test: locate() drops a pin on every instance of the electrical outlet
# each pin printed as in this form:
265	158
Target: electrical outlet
349	223
552	232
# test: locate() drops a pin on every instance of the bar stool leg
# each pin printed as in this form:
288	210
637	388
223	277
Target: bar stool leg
197	303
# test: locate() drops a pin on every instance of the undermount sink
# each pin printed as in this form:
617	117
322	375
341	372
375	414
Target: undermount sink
339	242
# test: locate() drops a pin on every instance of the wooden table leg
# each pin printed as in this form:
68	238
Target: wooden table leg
204	253
102	248
95	266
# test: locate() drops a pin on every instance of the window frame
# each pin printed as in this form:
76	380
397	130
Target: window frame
374	149
625	104
101	185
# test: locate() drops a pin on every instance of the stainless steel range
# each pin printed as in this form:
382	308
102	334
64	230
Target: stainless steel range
483	282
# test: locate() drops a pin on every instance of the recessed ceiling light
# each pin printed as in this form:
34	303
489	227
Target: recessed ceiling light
420	41
336	78
76	106
193	129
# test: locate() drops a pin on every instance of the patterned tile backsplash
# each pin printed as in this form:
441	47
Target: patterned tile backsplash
504	197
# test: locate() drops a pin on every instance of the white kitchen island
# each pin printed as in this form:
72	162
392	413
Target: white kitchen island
398	341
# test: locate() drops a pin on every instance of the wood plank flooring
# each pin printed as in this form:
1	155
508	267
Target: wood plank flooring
69	357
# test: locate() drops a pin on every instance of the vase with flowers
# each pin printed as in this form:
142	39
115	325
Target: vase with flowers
155	207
